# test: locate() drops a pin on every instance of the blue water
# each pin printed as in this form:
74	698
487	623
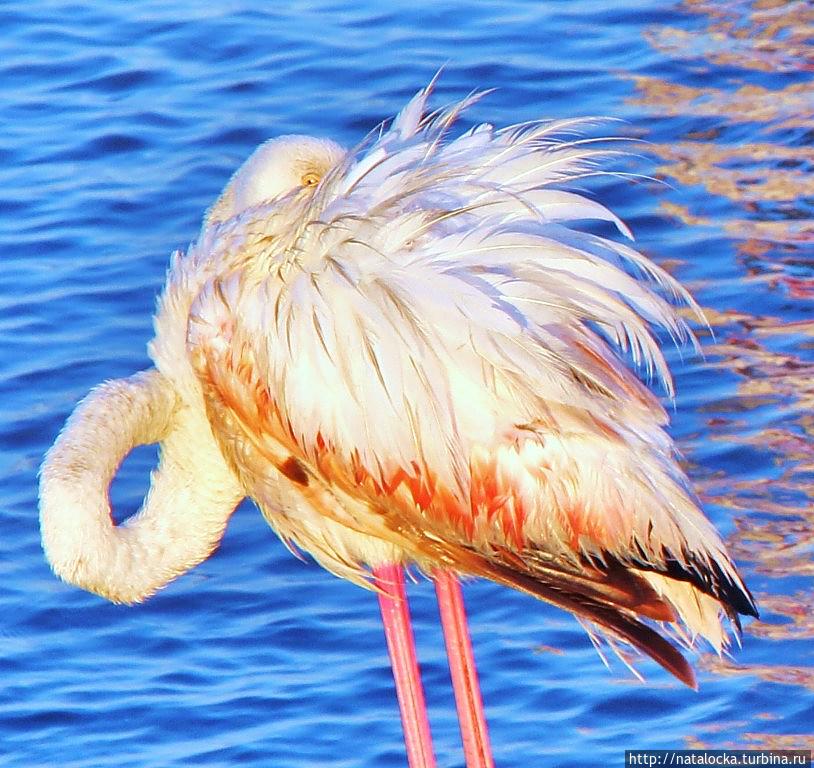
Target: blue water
119	124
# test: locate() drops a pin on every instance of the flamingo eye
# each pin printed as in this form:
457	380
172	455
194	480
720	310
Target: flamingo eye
310	179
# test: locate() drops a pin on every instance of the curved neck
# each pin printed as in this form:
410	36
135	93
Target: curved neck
192	492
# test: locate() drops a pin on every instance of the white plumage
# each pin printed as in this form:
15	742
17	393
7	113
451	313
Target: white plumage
421	358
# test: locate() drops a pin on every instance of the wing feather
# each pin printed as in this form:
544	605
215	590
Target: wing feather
433	356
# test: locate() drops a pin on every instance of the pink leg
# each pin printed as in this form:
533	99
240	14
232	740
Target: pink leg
400	643
475	735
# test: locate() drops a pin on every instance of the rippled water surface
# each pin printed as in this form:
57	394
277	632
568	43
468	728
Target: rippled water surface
120	122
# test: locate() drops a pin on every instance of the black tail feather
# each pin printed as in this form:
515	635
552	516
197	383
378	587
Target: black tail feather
560	590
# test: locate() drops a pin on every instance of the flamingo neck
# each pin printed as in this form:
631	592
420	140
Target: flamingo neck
191	497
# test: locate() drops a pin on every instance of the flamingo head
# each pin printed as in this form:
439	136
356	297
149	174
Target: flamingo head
275	169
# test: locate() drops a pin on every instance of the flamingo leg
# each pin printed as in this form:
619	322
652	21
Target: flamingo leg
474	732
389	580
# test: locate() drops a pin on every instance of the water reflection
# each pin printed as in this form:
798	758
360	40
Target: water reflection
754	160
769	35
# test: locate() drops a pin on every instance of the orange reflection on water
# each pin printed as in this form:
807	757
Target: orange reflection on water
769	36
772	673
766	177
751	173
757	741
744	166
775	109
796	608
774	514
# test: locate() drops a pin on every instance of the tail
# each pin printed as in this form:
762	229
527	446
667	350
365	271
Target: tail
616	605
621	601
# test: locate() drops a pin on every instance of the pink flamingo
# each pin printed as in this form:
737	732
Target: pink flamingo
410	354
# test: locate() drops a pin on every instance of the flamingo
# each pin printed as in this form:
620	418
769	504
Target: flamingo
410	354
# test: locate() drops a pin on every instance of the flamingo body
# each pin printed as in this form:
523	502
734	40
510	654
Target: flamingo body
415	363
410	353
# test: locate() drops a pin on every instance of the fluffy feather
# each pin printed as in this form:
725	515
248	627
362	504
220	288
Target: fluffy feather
422	359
